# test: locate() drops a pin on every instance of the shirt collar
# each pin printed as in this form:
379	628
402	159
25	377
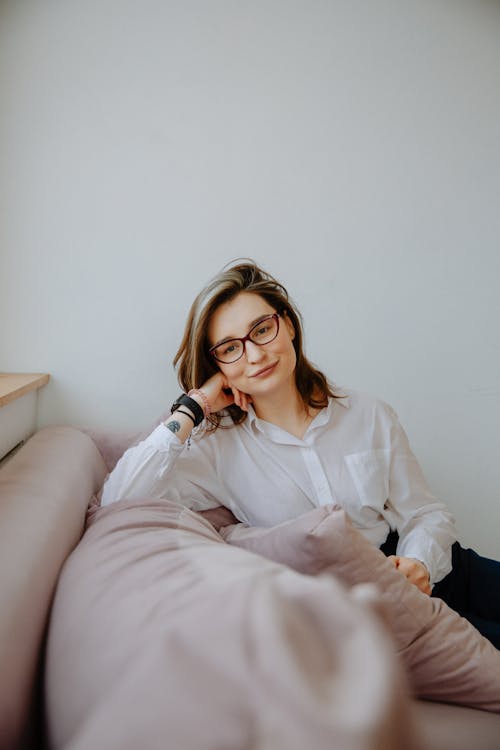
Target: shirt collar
323	417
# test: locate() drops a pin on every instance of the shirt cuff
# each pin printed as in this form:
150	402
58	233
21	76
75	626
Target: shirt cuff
163	439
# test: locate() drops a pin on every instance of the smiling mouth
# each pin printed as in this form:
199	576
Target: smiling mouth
264	371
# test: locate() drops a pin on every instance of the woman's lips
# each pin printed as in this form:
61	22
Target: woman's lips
265	371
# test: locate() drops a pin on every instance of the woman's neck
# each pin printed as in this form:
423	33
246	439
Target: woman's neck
285	410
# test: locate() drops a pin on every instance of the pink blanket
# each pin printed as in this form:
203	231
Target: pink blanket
164	636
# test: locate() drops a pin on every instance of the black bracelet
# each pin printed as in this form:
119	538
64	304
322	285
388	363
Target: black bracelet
187	415
192	405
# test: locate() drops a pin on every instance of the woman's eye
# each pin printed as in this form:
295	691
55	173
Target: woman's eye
262	330
229	349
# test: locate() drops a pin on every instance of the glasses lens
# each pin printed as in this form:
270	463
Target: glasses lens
261	333
265	331
228	352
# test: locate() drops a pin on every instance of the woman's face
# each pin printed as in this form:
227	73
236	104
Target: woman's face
263	368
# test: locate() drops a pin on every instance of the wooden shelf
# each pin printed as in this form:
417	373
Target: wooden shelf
14	385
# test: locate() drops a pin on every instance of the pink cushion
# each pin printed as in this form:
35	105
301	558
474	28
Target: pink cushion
446	657
45	490
163	636
112	445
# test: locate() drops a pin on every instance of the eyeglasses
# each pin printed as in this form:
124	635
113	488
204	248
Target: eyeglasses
261	333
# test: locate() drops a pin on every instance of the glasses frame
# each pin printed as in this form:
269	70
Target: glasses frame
276	316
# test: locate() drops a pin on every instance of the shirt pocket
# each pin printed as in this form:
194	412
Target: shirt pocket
369	472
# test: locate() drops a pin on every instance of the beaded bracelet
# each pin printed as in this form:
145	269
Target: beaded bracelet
206	403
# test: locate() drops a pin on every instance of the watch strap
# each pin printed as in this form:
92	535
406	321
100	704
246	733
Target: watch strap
192	405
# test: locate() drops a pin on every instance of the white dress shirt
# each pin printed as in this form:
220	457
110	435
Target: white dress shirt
354	454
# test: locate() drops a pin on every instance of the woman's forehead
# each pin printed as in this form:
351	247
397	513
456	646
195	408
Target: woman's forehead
234	318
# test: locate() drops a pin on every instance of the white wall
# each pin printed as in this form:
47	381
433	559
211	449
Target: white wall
351	147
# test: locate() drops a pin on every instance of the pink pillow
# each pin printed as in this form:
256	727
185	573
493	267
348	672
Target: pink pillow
446	657
163	636
44	493
113	444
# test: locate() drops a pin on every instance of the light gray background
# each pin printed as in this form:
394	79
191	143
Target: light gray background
351	147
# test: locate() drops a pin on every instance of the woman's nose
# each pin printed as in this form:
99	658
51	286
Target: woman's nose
253	351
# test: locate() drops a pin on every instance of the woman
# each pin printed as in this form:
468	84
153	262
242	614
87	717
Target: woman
278	440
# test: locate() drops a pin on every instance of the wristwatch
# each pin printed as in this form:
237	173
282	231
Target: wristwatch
192	405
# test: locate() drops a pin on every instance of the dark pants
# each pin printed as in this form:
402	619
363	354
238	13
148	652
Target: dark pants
472	588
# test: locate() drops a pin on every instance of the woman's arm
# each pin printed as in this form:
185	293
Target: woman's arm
145	470
425	526
142	469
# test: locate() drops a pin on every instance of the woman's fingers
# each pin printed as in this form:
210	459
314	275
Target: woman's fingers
241	399
236	396
219	517
414	570
221	393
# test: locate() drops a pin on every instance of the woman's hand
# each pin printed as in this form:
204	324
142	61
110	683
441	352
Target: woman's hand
221	393
414	570
219	517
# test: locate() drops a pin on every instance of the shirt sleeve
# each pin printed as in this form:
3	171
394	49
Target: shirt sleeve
152	469
425	526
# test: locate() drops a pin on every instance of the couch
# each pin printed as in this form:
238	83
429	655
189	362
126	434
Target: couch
51	609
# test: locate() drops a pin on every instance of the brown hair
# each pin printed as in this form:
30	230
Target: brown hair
195	363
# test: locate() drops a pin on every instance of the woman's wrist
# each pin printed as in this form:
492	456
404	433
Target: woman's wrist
193	406
187	412
180	423
202	399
